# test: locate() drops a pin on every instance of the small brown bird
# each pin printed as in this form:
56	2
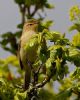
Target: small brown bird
29	29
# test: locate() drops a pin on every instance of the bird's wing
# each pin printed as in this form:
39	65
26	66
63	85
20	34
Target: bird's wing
20	62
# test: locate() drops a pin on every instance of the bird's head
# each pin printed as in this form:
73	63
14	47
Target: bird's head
31	25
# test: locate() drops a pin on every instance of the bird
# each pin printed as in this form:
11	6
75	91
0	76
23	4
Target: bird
26	56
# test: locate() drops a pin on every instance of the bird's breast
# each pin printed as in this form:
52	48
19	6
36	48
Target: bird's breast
26	37
24	53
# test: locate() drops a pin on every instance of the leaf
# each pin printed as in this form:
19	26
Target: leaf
48	63
58	64
7	34
74	56
41	77
49	6
19	1
33	42
4	42
63	41
76	40
75	74
20	96
40	36
53	36
2	82
53	54
29	2
41	53
18	34
12	60
74	13
74	27
46	94
55	51
64	95
47	23
20	26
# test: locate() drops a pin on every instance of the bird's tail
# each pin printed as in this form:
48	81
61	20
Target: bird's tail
27	78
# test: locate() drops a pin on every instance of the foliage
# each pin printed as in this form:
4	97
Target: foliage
75	17
9	40
52	59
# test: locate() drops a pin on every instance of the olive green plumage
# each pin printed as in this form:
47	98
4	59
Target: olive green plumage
28	53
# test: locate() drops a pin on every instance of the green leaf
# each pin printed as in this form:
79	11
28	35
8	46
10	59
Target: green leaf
40	37
46	95
47	23
29	2
48	63
58	64
20	26
41	53
63	41
4	42
18	34
75	27
19	1
7	34
2	82
74	56
75	74
50	6
21	96
76	40
53	36
64	95
33	42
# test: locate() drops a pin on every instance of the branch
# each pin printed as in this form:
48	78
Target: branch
35	10
10	50
28	9
39	68
23	11
45	81
75	92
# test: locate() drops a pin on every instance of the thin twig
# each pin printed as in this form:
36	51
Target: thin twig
46	80
28	10
39	68
23	12
75	92
35	10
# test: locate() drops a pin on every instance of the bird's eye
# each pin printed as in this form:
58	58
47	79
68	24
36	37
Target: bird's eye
30	24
